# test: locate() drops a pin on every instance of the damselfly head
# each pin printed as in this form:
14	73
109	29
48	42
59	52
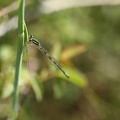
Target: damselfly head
30	37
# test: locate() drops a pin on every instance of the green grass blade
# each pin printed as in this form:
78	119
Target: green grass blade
19	56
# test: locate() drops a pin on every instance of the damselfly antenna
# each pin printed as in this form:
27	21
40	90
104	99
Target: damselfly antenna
39	46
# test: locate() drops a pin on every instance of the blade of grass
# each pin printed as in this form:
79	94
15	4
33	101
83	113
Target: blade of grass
19	56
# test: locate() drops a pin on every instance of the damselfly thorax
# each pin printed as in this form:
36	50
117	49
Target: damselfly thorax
37	44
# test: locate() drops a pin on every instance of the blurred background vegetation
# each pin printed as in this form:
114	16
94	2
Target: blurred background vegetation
85	41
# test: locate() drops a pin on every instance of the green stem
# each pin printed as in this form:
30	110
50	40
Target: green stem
19	57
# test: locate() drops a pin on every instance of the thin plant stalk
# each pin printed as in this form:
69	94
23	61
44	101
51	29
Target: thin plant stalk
19	57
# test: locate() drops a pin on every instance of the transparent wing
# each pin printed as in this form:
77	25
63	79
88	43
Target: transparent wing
52	59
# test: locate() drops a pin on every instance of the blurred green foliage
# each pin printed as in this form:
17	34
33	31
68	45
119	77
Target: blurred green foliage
92	92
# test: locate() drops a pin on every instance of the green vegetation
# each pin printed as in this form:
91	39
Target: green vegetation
85	41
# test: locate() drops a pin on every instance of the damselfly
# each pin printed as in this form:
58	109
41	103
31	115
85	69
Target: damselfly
36	43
